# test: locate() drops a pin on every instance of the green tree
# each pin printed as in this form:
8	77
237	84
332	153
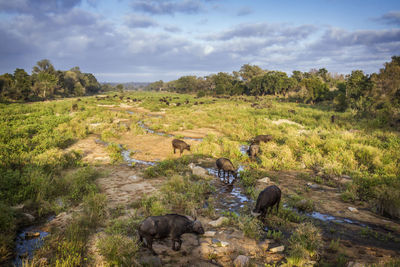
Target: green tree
22	84
43	65
248	72
120	87
6	84
45	84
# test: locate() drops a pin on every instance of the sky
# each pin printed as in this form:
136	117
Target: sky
151	40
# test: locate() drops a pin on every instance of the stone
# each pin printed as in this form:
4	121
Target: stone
277	249
224	244
265	180
32	234
346	177
219	222
150	261
352	209
313	186
209	234
199	171
241	261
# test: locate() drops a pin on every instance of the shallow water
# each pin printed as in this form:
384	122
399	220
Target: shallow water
330	218
25	247
126	155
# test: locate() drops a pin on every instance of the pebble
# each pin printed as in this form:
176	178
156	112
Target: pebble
277	249
353	209
209	234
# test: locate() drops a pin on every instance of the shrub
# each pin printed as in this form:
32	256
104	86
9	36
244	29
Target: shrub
81	183
304	244
118	250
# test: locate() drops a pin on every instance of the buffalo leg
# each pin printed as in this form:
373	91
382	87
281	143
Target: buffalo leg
219	172
149	241
174	150
277	206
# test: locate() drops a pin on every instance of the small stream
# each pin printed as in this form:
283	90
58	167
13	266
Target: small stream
232	197
27	241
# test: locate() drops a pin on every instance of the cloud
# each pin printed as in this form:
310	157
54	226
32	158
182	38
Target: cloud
37	7
391	18
167	7
243	11
277	32
172	29
139	21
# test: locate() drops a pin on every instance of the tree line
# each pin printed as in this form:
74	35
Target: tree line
46	82
375	94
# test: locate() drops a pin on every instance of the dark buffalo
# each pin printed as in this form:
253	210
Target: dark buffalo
262	138
253	150
267	198
227	167
170	225
333	119
181	145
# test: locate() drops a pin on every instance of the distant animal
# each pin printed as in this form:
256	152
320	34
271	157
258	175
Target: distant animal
253	150
227	167
262	138
333	119
178	104
181	145
292	111
78	99
267	198
74	107
170	225
121	97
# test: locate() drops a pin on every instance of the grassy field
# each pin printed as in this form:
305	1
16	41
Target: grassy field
39	170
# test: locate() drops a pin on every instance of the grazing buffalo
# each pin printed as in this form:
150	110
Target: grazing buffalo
333	119
181	145
170	225
253	151
267	198
227	166
262	138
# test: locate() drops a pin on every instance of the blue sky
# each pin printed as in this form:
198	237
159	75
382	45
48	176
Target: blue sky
149	40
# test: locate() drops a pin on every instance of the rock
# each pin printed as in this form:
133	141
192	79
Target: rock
241	261
313	186
32	234
265	180
346	177
352	209
209	234
224	244
191	166
199	171
219	222
150	261
277	249
19	207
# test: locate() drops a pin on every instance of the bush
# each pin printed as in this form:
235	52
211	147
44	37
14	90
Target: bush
118	250
81	183
304	244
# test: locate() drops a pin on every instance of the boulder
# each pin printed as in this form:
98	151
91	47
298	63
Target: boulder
209	234
277	249
199	171
32	234
219	222
352	209
265	180
241	261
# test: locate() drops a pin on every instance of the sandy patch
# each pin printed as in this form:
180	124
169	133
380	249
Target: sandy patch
280	121
92	152
197	133
124	184
106	106
151	147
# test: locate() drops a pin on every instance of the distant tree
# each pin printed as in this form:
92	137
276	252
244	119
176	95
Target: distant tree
6	84
248	72
43	65
316	88
120	87
22	86
45	84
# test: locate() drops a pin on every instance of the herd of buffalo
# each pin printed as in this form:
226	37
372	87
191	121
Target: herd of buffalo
175	225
